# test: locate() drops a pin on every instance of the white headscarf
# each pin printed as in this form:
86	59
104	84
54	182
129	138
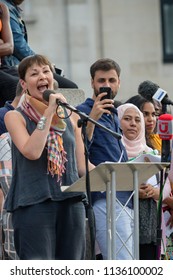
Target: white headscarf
138	145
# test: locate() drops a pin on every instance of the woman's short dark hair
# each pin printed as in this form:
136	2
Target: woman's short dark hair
29	61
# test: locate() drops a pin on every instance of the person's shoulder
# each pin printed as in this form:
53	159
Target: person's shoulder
5	10
3	111
13	117
87	103
3	6
12	114
156	141
8	106
13	10
6	3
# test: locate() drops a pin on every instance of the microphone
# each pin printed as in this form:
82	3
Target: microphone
147	89
162	97
150	90
165	131
48	92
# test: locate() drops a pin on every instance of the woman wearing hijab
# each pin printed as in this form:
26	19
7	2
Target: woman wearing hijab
148	109
133	127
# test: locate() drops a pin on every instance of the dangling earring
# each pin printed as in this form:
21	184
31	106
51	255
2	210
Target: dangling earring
26	92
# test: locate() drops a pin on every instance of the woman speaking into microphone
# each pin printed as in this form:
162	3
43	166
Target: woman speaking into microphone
48	223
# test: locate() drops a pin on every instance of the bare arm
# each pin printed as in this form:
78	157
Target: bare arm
169	201
6	46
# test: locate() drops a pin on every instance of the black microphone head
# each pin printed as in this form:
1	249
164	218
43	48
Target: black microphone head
47	93
147	89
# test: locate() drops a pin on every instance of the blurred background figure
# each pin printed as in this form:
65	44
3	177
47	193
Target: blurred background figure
22	48
8	75
147	89
10	105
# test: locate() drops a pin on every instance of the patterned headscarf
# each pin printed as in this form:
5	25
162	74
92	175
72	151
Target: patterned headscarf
34	109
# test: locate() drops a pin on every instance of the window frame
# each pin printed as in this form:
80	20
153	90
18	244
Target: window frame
167	57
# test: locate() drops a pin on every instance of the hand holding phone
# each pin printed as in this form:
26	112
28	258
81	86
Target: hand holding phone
109	92
107	96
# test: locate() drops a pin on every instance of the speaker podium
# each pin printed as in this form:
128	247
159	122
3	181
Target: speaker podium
112	177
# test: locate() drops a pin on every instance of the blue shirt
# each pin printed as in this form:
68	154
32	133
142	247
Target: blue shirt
3	110
104	146
21	47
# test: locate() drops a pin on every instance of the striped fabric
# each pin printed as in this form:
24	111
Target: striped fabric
5	150
7	250
34	109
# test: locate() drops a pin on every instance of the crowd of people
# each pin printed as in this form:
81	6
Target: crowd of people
42	149
13	48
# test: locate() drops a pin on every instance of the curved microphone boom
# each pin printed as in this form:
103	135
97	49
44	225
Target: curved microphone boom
83	116
48	92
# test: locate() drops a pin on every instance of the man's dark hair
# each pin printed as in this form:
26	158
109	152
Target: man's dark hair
104	64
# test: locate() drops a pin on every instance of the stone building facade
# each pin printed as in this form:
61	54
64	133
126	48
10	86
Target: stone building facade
74	33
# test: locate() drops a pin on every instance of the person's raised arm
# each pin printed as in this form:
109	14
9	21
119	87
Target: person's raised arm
21	46
6	42
99	108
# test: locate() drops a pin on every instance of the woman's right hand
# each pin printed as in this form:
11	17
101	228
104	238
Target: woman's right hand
53	101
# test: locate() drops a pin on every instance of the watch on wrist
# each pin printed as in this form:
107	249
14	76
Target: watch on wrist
42	122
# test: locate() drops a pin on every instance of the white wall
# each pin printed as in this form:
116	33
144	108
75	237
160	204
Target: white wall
74	33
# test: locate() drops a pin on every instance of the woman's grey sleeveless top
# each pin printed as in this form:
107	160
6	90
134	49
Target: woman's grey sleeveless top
31	183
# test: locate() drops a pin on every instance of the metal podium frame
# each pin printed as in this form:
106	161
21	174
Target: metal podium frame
112	177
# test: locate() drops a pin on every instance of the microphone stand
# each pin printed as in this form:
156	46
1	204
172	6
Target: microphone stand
87	118
163	177
164	158
82	122
89	209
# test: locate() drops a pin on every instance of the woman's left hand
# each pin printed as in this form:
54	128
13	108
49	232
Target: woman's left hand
170	220
146	191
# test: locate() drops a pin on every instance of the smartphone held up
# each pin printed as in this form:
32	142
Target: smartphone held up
108	95
109	92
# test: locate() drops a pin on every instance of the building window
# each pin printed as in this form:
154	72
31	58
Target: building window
167	29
